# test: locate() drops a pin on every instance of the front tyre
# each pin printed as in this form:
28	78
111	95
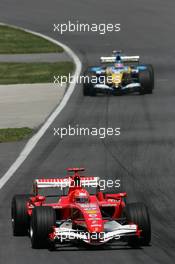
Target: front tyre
88	87
137	213
146	80
19	214
42	221
151	70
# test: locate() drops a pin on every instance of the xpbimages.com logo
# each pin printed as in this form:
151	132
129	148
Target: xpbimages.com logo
102	184
101	28
82	79
101	132
93	237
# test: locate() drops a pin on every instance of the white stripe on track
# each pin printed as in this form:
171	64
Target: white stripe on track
34	140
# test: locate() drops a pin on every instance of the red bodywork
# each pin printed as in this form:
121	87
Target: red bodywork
90	214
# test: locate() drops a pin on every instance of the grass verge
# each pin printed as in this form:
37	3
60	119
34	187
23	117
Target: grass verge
14	134
16	41
18	73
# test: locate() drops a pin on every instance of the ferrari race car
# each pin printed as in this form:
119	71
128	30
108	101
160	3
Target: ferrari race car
119	75
78	216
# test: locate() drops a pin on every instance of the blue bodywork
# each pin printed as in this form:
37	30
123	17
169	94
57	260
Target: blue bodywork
128	76
95	69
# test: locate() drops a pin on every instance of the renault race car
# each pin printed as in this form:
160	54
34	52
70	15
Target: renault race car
78	216
119	75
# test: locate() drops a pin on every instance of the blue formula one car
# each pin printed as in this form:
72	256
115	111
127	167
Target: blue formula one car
118	75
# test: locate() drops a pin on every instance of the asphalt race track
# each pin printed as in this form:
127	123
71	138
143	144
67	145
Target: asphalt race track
142	157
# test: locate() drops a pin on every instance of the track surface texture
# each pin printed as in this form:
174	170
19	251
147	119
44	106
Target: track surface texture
142	157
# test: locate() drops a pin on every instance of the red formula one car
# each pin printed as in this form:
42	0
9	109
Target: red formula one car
78	216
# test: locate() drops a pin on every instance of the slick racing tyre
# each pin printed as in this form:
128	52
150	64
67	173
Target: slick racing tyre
86	90
151	70
19	215
146	79
42	221
137	213
88	87
92	91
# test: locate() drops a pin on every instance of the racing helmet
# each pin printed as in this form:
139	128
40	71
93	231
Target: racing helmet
119	65
81	196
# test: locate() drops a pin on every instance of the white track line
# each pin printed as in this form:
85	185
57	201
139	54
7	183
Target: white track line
34	140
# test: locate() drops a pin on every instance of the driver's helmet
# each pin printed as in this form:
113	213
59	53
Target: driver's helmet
119	65
81	196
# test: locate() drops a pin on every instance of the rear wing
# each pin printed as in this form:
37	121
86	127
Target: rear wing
123	59
63	183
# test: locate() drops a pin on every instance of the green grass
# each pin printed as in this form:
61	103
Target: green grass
14	134
18	73
15	41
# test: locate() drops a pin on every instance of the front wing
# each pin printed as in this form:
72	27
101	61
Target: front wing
61	235
132	87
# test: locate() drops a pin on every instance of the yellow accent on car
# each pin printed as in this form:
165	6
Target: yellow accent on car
117	78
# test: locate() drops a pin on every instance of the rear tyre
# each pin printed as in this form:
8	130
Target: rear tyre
146	79
42	221
19	214
137	213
